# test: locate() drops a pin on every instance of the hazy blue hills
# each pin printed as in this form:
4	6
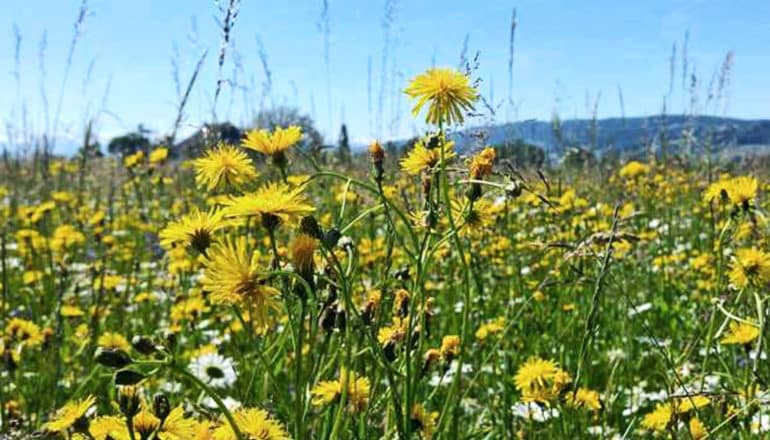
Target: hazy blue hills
626	135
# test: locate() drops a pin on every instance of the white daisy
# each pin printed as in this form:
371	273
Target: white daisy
214	369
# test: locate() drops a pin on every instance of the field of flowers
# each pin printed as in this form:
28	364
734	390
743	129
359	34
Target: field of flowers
252	293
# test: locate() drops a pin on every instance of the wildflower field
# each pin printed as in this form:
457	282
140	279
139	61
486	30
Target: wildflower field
254	292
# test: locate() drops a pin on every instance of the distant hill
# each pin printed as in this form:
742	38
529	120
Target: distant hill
629	136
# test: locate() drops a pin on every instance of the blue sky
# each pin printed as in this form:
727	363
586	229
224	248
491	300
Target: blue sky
566	53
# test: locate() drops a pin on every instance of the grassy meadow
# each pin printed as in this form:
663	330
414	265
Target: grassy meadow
262	291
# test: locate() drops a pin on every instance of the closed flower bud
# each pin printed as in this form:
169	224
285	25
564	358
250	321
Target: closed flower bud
112	357
129	400
161	406
143	345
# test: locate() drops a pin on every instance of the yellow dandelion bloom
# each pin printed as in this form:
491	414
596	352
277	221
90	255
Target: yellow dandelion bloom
280	140
145	423
540	380
25	332
447	92
740	333
684	405
327	392
113	340
742	190
158	155
254	424
274	202
698	430
177	427
222	167
750	265
659	418
424	420
584	398
717	191
450	347
633	170
481	164
108	427
233	276
195	229
69	414
422	158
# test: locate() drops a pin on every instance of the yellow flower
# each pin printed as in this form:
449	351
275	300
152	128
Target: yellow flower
158	155
540	380
740	333
134	159
108	427
490	328
659	418
145	423
274	202
447	92
633	170
717	191
450	347
113	340
584	398
177	427
424	159
424	420
254	424
195	229
222	167
684	405
697	430
232	276
280	140
25	332
329	391
481	164
750	265
742	190
69	414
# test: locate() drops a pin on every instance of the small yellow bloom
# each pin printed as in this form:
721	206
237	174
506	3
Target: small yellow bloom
447	92
280	140
740	333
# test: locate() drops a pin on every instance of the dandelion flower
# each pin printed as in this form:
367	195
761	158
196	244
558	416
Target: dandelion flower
447	92
329	391
145	423
214	369
742	190
740	333
254	424
424	420
584	398
66	416
113	340
234	277
280	140
540	380
158	155
481	164
659	418
177	427
633	169
223	166
717	191
750	265
424	159
108	427
195	229
273	203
